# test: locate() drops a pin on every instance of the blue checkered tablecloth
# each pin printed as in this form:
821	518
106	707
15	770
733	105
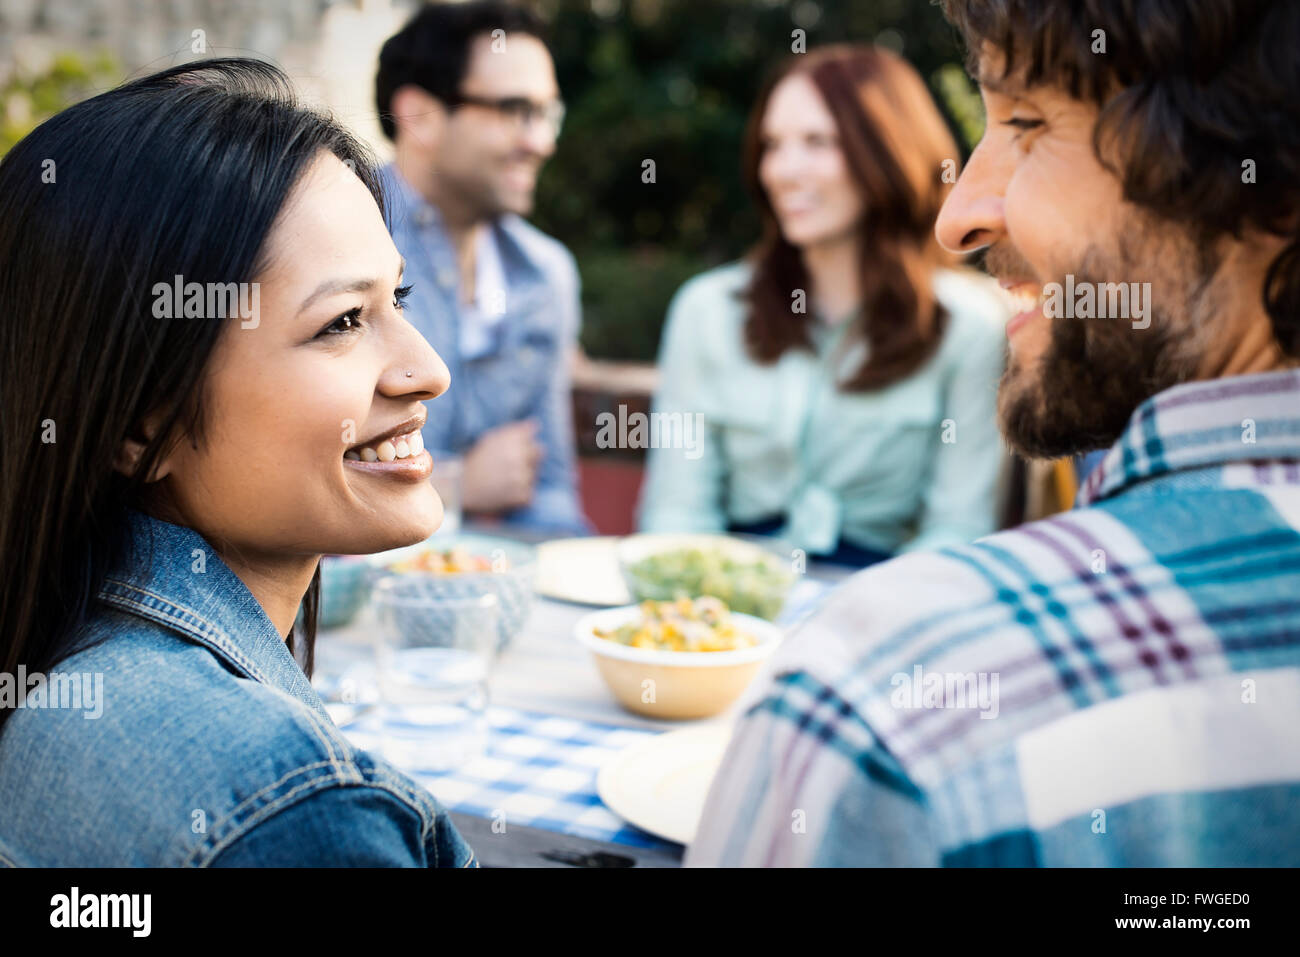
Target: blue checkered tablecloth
539	771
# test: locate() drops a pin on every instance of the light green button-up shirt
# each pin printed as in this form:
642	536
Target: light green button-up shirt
915	465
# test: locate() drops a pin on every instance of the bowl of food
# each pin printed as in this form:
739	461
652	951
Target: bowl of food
464	566
343	586
749	579
679	659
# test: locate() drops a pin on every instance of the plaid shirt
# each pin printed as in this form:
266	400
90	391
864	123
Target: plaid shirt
1116	685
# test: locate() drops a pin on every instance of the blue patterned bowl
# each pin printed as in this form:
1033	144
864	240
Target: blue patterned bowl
344	584
513	585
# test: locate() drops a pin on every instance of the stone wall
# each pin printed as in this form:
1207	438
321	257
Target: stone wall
329	47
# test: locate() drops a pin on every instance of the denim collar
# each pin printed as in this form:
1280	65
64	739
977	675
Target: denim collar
1198	425
173	577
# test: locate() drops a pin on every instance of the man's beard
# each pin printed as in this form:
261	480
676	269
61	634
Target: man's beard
1095	372
483	200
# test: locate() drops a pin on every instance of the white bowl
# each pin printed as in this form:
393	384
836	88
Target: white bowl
674	685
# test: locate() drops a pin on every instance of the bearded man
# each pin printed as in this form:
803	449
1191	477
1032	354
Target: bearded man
1119	684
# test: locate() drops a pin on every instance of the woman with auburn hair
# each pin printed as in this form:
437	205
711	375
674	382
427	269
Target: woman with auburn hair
846	377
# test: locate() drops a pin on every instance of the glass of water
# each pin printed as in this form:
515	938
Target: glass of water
433	655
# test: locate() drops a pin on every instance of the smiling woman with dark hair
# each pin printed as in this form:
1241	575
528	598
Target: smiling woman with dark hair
171	473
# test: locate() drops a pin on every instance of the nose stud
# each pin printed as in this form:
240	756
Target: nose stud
409	373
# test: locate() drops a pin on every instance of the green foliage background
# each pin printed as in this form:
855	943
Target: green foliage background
27	100
664	80
673	81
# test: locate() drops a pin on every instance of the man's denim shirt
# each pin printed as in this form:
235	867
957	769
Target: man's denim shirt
524	373
206	745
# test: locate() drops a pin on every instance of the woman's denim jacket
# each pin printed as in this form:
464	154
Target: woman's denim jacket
194	739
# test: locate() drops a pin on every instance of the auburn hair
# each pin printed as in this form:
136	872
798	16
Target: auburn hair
896	147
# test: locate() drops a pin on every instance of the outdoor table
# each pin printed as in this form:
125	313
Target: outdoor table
531	799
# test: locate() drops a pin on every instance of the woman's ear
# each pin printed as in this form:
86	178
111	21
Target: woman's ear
131	450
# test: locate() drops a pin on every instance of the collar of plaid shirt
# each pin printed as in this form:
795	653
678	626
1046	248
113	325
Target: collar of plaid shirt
1118	684
1245	419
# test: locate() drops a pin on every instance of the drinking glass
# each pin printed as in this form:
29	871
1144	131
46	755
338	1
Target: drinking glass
433	656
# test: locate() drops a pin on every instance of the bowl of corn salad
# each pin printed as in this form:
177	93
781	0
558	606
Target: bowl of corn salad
677	659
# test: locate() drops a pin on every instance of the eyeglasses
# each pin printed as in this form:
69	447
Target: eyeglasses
520	111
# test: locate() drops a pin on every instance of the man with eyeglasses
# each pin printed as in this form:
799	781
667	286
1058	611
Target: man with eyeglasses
467	93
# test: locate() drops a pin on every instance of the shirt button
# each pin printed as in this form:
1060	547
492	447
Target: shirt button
423	216
446	278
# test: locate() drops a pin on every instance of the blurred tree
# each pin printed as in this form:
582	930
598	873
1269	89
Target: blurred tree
664	81
29	98
672	82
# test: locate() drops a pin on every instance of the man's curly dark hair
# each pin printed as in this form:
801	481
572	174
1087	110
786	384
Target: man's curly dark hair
1194	94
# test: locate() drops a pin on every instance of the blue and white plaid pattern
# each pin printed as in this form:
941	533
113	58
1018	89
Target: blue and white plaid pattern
539	771
1117	685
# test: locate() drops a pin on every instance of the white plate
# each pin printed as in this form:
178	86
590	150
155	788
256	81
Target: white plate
660	784
581	570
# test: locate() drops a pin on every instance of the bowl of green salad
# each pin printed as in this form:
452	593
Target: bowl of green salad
750	579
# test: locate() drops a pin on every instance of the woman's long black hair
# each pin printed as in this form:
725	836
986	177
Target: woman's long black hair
182	172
